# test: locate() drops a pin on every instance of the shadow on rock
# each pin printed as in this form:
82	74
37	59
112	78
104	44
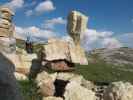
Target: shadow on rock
8	85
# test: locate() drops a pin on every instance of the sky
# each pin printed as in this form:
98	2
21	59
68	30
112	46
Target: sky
110	23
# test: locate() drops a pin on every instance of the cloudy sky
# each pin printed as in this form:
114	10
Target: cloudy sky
110	22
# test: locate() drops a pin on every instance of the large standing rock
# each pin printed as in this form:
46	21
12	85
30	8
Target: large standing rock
8	84
77	24
6	26
119	91
46	84
75	91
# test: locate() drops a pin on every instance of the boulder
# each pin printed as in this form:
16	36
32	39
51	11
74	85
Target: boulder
46	84
20	76
75	91
71	77
66	57
8	85
119	91
55	50
52	98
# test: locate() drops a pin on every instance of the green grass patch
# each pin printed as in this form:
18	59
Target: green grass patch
103	72
29	90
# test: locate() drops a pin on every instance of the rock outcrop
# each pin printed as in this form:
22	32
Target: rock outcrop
119	91
7	41
6	26
60	56
8	85
77	24
52	98
45	83
74	91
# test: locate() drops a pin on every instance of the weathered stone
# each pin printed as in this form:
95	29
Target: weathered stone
8	84
6	13
78	55
70	77
56	50
75	91
119	91
20	76
46	84
4	24
77	24
52	98
7	45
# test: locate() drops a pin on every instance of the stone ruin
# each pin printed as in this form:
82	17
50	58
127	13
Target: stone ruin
60	55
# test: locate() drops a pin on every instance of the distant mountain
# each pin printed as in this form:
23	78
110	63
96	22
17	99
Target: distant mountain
118	56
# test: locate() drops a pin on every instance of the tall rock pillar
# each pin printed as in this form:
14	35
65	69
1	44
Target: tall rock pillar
77	24
7	41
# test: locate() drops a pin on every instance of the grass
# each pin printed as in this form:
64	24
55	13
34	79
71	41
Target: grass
102	72
29	90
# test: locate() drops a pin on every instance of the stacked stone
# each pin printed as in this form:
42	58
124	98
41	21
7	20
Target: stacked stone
7	41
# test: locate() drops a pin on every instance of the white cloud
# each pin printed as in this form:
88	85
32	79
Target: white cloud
34	32
111	43
29	13
104	39
50	24
45	6
15	4
126	39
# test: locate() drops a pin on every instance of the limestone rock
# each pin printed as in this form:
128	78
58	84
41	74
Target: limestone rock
58	50
55	50
74	91
78	55
8	86
7	45
52	98
71	77
6	13
20	76
6	26
119	91
46	84
77	24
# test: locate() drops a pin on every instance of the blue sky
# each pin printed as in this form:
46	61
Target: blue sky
110	21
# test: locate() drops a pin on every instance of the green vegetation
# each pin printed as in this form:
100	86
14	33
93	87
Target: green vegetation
103	72
29	90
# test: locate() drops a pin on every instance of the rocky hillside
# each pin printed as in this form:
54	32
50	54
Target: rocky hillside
119	56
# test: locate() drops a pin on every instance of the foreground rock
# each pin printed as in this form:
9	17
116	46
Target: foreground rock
46	84
20	77
8	84
52	98
119	91
74	91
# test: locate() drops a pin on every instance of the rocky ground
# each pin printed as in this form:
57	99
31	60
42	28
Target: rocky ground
70	86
